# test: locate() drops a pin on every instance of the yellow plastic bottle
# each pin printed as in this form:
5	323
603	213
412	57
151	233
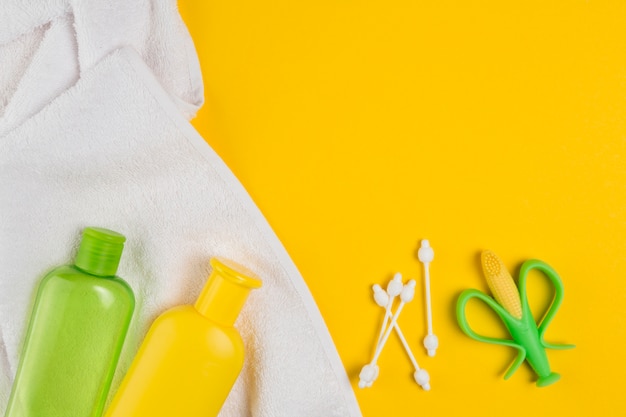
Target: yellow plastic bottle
191	355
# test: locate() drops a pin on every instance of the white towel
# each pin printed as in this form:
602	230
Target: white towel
95	135
46	44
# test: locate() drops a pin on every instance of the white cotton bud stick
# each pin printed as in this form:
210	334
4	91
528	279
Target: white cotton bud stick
406	296
369	372
381	298
394	288
426	255
420	375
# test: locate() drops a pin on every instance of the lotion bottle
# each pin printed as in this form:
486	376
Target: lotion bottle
77	328
191	355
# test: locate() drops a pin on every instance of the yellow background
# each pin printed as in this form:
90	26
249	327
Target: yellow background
360	127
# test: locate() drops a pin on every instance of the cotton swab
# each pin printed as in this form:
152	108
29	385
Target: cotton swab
426	254
369	372
382	298
420	375
394	288
406	296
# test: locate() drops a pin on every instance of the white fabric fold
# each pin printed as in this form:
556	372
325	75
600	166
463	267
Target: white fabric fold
47	44
51	70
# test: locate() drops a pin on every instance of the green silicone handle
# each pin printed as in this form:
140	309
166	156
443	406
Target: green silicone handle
553	276
466	296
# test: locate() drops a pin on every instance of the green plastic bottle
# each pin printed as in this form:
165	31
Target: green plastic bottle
76	332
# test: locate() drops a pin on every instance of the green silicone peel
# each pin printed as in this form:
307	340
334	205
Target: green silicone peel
526	335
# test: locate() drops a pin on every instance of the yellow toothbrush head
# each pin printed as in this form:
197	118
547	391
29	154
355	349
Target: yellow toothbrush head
501	283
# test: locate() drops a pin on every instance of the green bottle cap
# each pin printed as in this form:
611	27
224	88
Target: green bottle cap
100	251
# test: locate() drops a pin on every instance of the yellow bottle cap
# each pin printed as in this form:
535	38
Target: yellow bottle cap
226	291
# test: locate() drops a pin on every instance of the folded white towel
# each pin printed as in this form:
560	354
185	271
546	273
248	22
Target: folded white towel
46	44
115	151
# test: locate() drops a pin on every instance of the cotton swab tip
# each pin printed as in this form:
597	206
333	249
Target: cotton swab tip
425	253
394	288
380	296
431	343
368	375
423	379
408	292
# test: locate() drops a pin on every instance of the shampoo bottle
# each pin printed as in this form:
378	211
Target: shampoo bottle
77	327
192	355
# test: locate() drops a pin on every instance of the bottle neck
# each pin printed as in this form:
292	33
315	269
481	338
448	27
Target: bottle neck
99	252
225	293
